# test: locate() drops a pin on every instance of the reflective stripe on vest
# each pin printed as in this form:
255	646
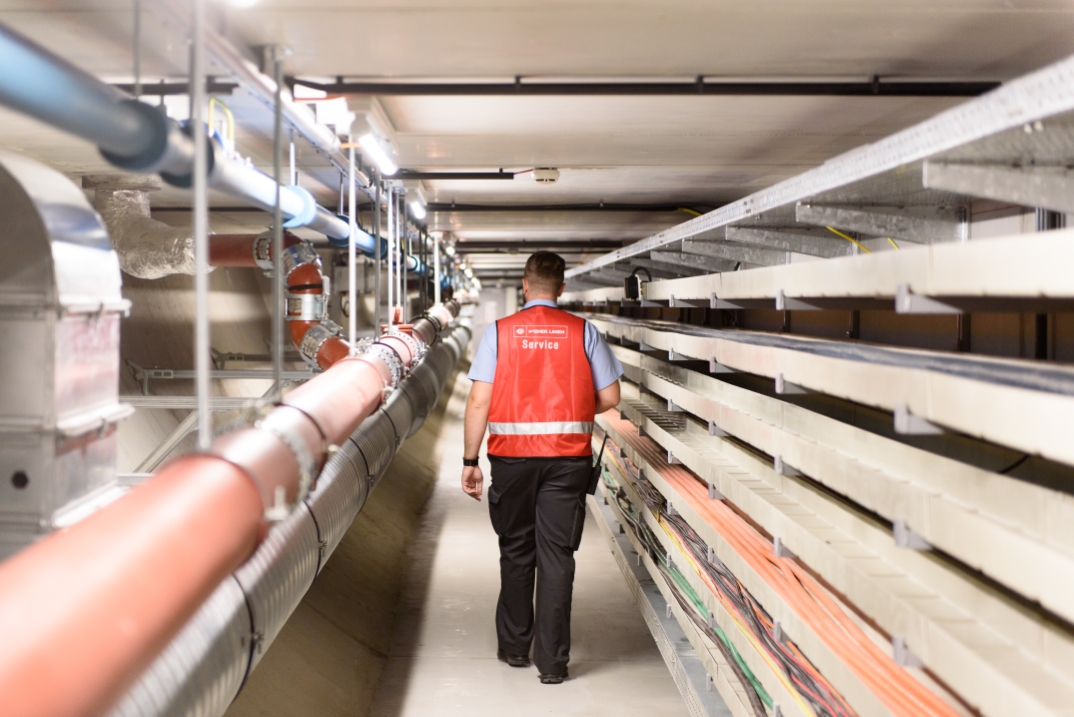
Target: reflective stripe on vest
547	428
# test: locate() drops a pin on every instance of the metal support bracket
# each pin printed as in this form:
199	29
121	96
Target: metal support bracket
783	469
780	550
715	494
675	356
786	388
907	302
672	460
902	654
715	430
717	367
674	407
906	538
908	424
686	304
789	303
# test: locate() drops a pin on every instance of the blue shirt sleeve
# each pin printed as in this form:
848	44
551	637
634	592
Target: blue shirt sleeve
484	366
602	362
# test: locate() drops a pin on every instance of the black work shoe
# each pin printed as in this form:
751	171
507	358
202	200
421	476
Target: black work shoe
513	660
553	678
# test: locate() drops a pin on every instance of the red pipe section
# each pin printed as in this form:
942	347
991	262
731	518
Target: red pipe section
85	611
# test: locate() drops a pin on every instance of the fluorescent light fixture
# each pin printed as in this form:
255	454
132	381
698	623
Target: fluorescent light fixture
449	250
417	209
243	3
372	147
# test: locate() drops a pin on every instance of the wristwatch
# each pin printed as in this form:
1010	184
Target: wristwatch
469	462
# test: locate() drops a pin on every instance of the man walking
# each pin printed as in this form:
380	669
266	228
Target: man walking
539	378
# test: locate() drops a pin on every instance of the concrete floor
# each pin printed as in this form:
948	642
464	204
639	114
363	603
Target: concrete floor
442	658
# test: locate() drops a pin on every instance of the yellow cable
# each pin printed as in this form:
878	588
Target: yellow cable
850	239
689	211
776	669
227	113
893	243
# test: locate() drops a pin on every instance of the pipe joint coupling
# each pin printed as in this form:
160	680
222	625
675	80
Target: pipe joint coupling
309	208
262	248
307	307
314	340
387	354
307	470
416	345
298	255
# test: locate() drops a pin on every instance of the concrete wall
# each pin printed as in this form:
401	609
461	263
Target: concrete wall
330	655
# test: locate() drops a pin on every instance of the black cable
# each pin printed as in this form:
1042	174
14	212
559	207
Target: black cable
1014	465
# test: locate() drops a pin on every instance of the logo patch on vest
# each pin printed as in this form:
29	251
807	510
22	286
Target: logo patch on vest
541	337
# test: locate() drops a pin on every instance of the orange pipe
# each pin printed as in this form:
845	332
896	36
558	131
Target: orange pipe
237	250
84	611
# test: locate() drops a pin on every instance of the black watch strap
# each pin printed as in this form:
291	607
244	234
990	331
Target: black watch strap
469	462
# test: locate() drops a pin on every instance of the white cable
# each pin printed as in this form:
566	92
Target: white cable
202	358
352	258
436	271
391	257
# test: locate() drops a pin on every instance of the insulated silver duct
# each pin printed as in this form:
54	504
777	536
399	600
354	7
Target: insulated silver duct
60	307
147	249
202	670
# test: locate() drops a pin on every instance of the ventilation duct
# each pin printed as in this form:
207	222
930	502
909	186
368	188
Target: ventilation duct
60	307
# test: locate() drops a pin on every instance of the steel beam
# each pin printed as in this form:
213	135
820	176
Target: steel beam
731	252
1047	187
706	264
1026	100
668	270
699	86
799	242
924	225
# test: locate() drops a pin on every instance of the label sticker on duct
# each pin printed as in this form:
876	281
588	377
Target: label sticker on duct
541	337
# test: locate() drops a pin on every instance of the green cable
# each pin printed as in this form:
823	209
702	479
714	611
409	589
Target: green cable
688	590
699	604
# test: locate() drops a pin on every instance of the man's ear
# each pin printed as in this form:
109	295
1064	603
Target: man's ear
525	287
562	287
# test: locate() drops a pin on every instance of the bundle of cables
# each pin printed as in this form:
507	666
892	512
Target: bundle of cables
894	686
780	654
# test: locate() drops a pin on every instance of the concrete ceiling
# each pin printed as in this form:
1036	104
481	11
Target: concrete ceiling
693	152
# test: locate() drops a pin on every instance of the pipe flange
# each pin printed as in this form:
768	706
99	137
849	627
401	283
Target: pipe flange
307	307
307	470
263	252
314	339
332	326
387	354
416	345
298	255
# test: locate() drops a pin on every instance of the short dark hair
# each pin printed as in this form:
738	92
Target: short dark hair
544	270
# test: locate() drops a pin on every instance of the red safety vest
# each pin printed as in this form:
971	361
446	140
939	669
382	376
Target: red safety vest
542	394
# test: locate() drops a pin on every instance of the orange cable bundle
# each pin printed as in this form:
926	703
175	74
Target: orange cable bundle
894	686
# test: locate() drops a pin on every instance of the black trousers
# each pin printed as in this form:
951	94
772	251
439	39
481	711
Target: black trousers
537	506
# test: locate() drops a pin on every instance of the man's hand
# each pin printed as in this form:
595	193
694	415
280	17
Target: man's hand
472	480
